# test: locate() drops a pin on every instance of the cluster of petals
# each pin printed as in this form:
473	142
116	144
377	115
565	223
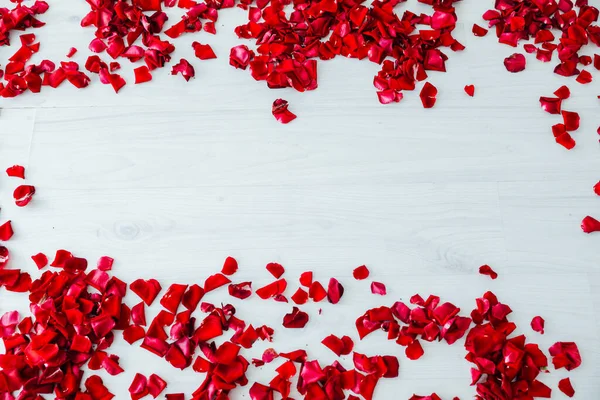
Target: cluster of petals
571	119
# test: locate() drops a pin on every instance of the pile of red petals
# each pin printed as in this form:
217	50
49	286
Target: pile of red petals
76	312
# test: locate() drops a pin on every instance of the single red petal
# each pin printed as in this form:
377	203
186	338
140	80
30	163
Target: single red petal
571	120
428	95
537	324
360	273
138	314
241	290
142	74
597	188
156	385
565	354
281	113
275	269
295	319
414	351
16	171
300	297
146	289
272	289
565	386
172	298
515	63
230	266
6	231
71	52
203	51
335	291
317	292
487	270
175	396
139	386
306	279
214	282
260	392
551	105
192	297
563	92
105	263
565	140
184	68
133	333
479	31
584	77
23	195
240	56
378	288
470	90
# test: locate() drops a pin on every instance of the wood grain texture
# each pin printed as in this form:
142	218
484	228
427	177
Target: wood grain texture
171	177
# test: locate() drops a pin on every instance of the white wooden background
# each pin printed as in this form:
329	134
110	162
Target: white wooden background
171	177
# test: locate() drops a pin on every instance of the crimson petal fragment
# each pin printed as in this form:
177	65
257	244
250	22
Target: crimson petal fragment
23	195
515	63
361	273
295	319
378	288
537	324
16	171
281	113
566	387
6	231
428	95
487	270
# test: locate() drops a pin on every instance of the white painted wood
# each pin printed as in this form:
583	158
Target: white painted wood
171	177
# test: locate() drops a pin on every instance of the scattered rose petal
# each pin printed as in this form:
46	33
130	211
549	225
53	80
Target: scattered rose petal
184	68
584	77
537	324
428	95
361	273
563	92
16	171
597	188
487	270
588	225
515	63
40	260
335	291
378	288
571	120
565	354
565	386
23	195
275	269
479	31
230	266
281	113
6	231
470	90
203	51
142	74
295	319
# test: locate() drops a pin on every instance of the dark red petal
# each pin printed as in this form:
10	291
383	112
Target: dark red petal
565	386
192	297
105	263
597	188
6	231
571	120
184	68
360	273
138	387
479	31
487	270
295	319
537	324
146	289
275	269
230	266
378	288
240	56
317	292
551	105
281	113
260	392
428	95
515	63
335	291
300	297
23	195
4	256
565	354
16	171
470	90
203	51
142	74
241	290
272	289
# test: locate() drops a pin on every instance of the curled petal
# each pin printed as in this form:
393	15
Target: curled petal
487	270
240	56
23	195
185	69
335	291
295	319
565	354
428	95
551	105
281	113
241	290
378	288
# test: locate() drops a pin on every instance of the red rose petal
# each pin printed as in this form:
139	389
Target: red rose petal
470	90
300	296
565	354
156	385
565	140
147	290
479	31
565	386
306	279
515	63
317	292
281	113
192	297
296	319
71	52
597	188
584	77
273	289
275	269
335	291
16	171
138	314
230	266
360	273
6	231
240	290
537	324
185	69
487	270
414	351
428	95
339	346
240	56
172	298
23	195
142	74
378	288
563	92
203	51
138	387
571	120
105	263
551	105
214	282
4	256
